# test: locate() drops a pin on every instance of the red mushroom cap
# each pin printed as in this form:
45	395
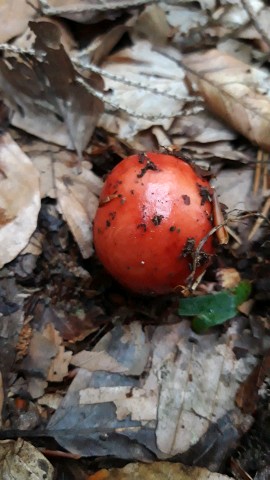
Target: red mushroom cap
154	210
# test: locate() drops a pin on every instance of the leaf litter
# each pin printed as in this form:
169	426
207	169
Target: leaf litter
104	373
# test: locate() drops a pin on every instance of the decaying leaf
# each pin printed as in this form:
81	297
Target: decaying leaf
46	360
22	460
157	471
184	396
134	355
11	323
19	199
234	91
247	396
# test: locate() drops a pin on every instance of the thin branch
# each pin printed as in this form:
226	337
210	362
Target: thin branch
117	106
98	7
132	83
260	220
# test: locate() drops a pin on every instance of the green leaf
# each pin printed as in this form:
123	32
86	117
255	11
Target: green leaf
214	309
242	292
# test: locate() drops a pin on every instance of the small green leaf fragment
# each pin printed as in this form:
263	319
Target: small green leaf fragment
242	292
214	309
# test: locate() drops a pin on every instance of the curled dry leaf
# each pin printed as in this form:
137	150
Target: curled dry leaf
77	194
234	91
19	199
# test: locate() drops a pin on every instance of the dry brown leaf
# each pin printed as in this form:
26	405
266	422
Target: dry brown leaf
27	39
20	459
234	91
45	96
15	15
78	213
152	24
19	199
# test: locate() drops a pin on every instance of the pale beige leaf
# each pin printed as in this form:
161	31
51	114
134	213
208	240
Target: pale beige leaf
19	199
19	459
234	187
234	91
51	400
15	15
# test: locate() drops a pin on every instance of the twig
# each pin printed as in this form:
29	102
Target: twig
260	220
196	255
13	48
234	235
265	172
258	169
